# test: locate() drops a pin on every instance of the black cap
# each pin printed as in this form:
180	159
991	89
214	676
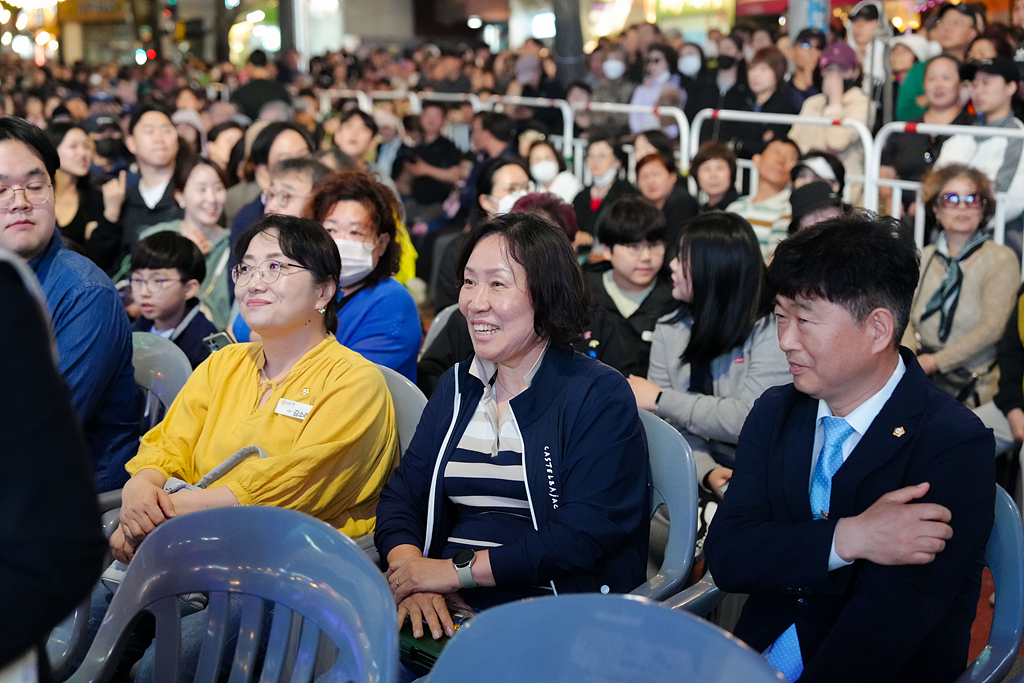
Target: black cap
811	197
869	11
997	66
963	8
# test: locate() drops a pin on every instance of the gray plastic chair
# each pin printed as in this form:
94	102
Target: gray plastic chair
161	370
591	637
674	476
1004	556
67	639
295	562
409	403
436	325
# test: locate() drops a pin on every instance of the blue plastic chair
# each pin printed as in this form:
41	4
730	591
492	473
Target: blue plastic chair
161	370
299	564
674	477
590	637
1004	556
436	325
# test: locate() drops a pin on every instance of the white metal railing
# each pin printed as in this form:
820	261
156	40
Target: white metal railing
540	103
870	191
676	113
874	164
362	98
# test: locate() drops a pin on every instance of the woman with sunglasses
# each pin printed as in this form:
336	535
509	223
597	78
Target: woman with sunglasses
321	414
967	288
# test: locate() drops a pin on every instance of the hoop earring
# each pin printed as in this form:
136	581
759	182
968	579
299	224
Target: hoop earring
321	309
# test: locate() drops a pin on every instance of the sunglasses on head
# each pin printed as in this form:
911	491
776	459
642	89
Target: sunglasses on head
808	45
951	200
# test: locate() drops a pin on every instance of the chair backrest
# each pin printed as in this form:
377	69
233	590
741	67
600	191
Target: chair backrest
592	637
674	478
161	370
1004	555
409	403
436	325
267	556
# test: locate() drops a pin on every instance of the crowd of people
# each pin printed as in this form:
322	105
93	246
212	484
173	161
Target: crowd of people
192	202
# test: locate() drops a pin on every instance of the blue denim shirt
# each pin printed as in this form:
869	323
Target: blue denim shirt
94	348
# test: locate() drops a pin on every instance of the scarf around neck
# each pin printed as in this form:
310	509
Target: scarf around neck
946	297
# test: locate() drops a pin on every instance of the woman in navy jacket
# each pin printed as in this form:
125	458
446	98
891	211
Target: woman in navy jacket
528	473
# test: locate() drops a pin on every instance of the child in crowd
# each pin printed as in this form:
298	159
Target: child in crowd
166	271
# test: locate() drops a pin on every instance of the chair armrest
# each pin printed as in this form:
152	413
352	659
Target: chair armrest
699	599
365	544
109	500
662	585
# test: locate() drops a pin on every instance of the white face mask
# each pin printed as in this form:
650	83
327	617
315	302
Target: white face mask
710	50
689	65
607	177
544	171
356	260
661	78
506	203
613	68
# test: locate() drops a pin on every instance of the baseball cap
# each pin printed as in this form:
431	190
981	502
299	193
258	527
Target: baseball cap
811	197
997	66
865	10
840	54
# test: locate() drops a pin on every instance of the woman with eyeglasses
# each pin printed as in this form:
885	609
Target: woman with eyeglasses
967	288
320	412
720	351
377	316
200	191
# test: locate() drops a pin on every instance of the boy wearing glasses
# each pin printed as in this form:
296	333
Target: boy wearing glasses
90	328
166	272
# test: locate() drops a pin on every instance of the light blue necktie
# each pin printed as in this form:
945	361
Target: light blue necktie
785	652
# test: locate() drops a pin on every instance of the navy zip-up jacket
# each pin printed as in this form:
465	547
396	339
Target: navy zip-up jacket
587	469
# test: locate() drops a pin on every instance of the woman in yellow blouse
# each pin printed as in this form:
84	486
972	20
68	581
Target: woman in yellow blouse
321	412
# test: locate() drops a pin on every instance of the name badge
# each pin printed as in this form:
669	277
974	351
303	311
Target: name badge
293	409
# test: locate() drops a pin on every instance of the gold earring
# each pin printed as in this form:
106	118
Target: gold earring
321	309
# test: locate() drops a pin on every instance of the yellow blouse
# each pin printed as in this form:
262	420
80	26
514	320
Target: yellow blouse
332	464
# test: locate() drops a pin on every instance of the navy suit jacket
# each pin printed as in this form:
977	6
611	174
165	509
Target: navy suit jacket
863	622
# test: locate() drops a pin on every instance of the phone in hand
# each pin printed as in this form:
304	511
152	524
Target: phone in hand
216	341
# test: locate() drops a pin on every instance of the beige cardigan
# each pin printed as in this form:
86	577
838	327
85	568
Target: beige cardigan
987	297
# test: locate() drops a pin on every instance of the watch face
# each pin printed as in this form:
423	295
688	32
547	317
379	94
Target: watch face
463	557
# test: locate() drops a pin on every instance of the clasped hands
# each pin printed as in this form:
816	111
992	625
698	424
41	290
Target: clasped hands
421	586
895	531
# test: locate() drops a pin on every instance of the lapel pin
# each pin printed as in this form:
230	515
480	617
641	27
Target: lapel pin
306	391
898	432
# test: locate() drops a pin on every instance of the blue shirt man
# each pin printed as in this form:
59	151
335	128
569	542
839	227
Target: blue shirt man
92	332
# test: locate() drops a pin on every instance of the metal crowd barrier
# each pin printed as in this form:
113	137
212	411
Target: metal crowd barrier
874	164
870	185
683	155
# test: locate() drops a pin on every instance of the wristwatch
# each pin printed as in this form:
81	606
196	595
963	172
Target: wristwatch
463	562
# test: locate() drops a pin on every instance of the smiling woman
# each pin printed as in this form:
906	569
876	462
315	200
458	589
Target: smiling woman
540	479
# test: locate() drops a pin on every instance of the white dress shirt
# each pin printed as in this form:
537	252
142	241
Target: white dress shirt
860	418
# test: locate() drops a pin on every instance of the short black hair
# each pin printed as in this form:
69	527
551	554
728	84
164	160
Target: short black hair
630	219
785	140
858	261
144	109
305	242
500	125
485	181
304	165
562	300
809	34
714	149
729	290
260	153
258	58
221	127
659	140
167	249
14	128
366	118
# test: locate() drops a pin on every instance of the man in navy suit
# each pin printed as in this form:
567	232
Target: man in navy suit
880	580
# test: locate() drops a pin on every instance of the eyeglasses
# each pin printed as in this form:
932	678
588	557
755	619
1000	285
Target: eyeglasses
283	198
638	248
35	193
971	201
268	271
513	188
154	284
